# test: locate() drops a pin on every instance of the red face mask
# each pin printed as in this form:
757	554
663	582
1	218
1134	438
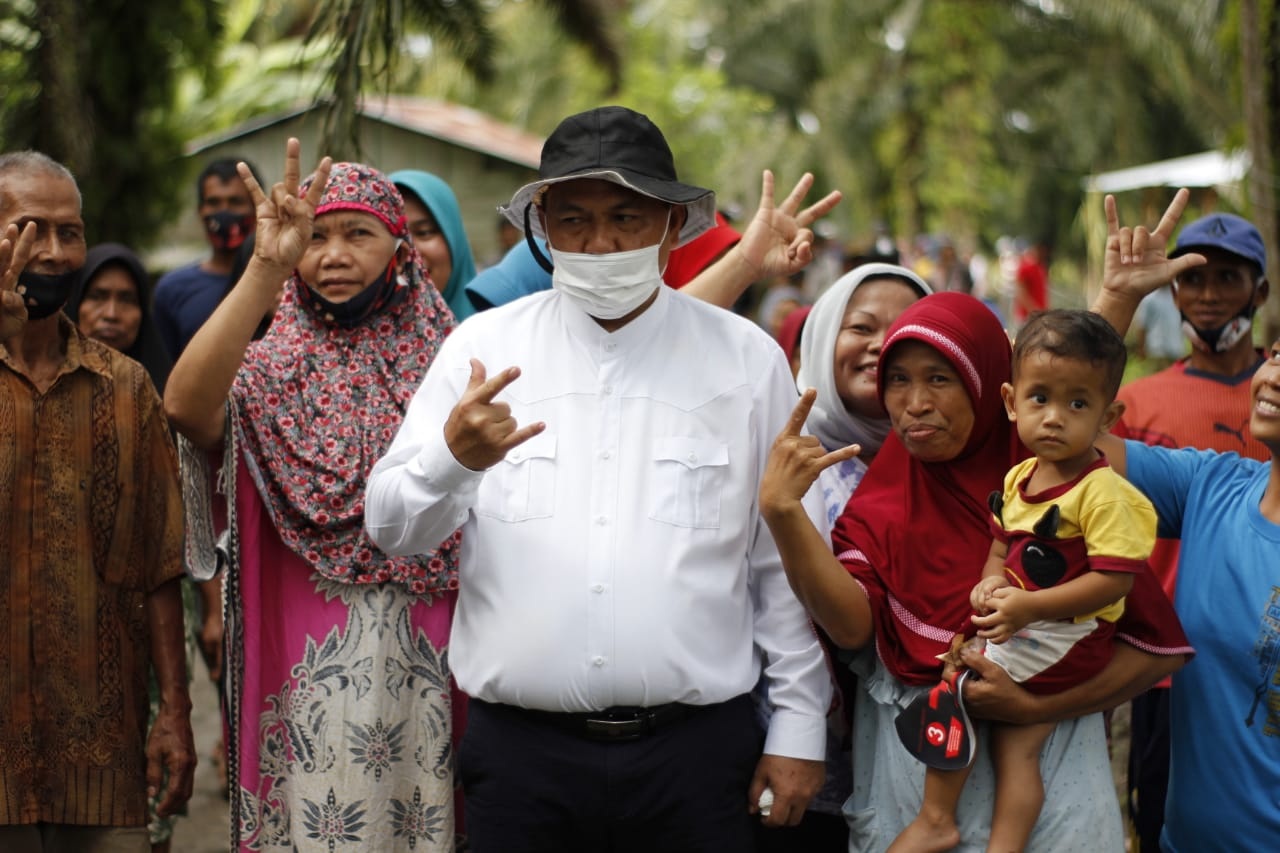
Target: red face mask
226	230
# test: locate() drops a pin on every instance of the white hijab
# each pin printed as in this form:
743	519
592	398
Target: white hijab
833	424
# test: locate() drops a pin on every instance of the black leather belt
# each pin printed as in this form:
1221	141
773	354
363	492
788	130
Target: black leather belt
611	724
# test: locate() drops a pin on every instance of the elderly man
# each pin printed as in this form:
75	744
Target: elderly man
620	595
90	553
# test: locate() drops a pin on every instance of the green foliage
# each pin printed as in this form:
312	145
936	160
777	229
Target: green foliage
362	44
973	118
262	67
90	82
977	118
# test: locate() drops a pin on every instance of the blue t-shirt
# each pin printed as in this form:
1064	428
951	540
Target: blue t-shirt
184	299
1224	779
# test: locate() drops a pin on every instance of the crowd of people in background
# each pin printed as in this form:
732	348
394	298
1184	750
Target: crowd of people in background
654	531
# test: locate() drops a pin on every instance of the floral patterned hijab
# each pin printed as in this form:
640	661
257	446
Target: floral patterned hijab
317	404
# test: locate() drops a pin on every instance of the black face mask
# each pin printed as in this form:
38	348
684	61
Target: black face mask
227	230
43	293
381	294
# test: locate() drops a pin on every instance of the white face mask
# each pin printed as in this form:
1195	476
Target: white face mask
609	286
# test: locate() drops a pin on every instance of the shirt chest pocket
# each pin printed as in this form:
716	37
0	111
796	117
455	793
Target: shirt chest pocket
689	477
523	485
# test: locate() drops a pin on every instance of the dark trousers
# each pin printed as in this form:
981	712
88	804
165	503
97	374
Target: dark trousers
530	786
1149	766
817	832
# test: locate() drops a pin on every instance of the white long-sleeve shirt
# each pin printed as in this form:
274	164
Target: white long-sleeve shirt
617	558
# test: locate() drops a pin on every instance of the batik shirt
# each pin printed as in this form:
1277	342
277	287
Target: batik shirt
90	523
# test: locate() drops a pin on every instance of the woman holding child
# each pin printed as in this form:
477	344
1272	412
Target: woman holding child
909	549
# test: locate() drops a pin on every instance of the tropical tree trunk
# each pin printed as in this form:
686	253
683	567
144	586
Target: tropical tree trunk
69	137
1256	60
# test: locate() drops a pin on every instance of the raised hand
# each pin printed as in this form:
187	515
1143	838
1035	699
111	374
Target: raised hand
15	251
778	241
285	219
1135	262
479	430
796	460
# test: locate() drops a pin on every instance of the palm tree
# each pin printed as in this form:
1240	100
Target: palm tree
364	41
73	86
978	117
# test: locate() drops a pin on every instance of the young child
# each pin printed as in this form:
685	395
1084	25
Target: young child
1069	534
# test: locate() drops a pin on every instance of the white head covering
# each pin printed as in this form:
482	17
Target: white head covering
829	420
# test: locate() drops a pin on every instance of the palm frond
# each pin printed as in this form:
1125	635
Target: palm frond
587	22
364	40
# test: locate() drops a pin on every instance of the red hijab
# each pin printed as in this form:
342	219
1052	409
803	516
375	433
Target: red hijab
916	534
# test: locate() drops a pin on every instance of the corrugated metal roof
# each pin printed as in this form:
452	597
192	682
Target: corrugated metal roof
459	125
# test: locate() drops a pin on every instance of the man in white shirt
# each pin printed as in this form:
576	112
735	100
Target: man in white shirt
620	594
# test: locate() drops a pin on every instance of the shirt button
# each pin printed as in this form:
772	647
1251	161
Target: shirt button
693	457
604	454
610	346
608	389
598	660
599	587
601	520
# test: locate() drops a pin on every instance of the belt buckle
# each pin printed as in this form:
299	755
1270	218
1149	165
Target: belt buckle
605	729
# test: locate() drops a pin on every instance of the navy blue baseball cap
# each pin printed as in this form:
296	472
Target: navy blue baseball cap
1224	231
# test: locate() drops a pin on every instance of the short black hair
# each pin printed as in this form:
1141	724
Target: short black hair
224	169
1074	334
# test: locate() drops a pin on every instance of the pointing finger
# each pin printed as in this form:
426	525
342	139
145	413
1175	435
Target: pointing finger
493	386
800	413
521	435
292	169
766	190
1172	214
821	208
256	193
839	455
1113	219
477	374
1182	263
22	249
792	202
15	251
321	180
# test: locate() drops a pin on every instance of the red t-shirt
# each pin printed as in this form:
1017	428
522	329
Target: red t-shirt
1034	280
1184	407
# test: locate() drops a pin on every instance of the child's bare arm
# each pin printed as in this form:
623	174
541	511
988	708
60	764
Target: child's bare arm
1012	609
993	577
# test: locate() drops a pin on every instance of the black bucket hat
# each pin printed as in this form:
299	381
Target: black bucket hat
619	145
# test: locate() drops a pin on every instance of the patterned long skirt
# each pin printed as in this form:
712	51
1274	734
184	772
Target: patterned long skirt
343	734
